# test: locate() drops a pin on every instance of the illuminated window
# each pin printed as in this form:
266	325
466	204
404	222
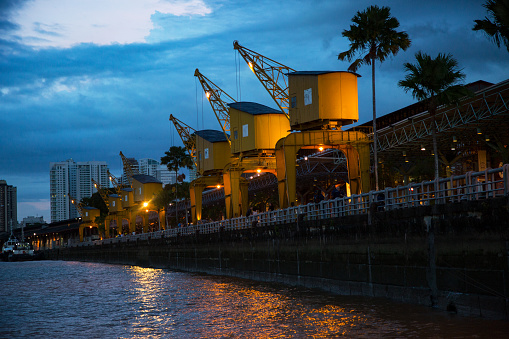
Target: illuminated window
245	130
206	151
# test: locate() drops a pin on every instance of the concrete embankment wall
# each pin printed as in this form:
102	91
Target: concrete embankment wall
454	257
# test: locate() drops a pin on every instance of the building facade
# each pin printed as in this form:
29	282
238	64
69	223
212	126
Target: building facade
153	168
8	207
70	178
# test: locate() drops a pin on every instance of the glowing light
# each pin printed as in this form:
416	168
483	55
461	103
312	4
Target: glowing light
218	186
320	148
305	158
250	65
145	204
423	148
258	171
207	94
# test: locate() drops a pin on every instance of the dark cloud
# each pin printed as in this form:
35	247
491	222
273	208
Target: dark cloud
7	7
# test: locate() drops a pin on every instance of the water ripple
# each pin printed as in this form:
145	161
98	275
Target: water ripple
55	299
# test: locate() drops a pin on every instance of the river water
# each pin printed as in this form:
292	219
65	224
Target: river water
61	299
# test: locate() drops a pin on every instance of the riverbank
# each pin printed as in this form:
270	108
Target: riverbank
454	257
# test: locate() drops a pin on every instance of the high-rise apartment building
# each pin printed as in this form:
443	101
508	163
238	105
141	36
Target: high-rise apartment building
8	207
165	176
153	168
148	167
75	179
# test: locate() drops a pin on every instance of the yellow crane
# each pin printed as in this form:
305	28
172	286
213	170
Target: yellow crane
103	192
321	103
218	101
128	168
88	215
186	133
272	75
115	182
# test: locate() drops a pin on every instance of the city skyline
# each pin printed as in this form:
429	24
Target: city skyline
82	81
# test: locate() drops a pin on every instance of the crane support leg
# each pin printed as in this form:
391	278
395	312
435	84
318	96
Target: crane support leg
353	144
196	191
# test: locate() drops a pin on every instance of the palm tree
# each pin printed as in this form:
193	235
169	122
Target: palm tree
373	31
498	29
175	159
436	82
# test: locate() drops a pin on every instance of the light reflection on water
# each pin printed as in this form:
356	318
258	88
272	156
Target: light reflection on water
86	300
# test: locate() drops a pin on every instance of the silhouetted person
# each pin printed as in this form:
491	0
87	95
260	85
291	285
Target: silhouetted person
318	197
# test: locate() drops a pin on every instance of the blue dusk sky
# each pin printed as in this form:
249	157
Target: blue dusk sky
88	79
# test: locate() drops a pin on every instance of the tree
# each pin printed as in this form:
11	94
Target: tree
496	24
175	159
373	31
436	82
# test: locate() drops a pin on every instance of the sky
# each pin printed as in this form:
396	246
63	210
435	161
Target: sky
88	79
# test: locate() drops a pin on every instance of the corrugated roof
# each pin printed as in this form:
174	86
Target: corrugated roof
146	179
211	135
319	72
253	108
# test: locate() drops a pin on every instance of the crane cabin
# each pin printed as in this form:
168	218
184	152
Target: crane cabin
255	127
322	99
213	151
145	187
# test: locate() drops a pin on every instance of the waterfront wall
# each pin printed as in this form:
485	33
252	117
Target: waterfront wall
453	256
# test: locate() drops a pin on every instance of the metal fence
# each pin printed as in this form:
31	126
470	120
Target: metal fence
490	183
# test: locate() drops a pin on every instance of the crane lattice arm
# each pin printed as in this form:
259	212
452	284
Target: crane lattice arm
272	75
115	182
188	137
217	99
128	168
103	192
77	204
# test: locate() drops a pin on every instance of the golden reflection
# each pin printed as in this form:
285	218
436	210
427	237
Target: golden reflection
146	289
267	314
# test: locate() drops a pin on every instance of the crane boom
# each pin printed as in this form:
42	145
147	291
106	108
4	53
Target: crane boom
77	204
115	182
102	192
272	75
216	97
188	138
128	168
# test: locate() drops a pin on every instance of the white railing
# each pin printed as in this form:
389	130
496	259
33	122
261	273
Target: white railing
490	183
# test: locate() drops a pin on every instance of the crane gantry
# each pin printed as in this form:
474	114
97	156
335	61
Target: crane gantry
272	75
218	100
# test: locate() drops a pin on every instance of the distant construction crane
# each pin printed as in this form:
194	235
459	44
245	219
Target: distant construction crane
272	75
218	101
